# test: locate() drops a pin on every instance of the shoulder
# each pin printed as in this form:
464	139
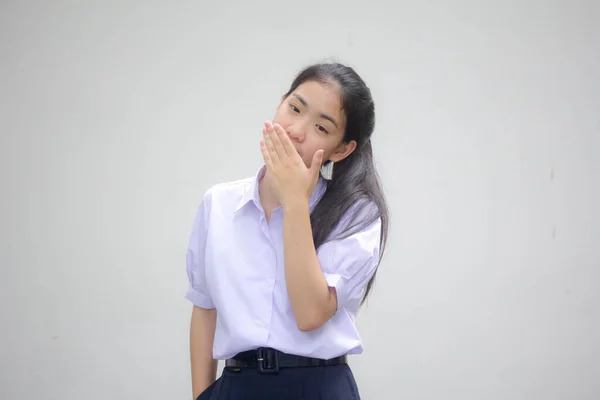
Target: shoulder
227	194
363	217
358	232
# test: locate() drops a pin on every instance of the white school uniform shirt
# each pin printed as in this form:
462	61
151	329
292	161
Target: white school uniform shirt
235	263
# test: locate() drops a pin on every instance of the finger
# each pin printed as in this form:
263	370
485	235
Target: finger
275	141
317	161
286	143
270	146
266	155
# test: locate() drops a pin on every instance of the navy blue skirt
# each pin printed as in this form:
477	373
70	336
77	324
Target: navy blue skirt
305	383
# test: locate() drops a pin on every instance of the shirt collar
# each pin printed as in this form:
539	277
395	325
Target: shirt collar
251	194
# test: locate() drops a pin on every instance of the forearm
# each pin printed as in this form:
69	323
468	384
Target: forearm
307	288
202	333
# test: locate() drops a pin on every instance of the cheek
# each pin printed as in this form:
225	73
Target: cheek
329	148
313	143
283	113
284	120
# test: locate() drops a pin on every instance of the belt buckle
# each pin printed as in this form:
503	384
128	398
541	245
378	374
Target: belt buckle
268	360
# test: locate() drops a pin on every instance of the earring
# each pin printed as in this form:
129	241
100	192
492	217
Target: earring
327	170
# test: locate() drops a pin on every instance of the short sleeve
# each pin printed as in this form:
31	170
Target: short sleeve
348	264
197	291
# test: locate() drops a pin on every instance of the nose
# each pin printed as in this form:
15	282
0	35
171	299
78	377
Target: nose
297	133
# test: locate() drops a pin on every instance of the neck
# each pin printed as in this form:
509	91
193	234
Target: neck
268	198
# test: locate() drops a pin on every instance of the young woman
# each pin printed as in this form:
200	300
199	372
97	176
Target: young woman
278	264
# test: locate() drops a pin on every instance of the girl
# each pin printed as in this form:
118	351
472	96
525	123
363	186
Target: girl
278	264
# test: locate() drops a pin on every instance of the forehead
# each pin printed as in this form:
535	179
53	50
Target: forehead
322	98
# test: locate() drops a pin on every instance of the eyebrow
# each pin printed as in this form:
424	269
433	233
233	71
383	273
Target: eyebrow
324	116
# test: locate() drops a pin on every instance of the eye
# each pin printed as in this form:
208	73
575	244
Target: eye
322	129
294	108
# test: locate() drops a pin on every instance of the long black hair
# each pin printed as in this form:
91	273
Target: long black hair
355	184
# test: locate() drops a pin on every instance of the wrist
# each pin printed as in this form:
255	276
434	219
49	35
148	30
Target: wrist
298	205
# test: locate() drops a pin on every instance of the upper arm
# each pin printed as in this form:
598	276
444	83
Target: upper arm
202	332
348	264
198	292
204	317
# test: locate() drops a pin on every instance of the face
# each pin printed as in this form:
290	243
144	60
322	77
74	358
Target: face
313	118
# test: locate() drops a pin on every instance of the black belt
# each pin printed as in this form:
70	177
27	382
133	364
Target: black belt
268	360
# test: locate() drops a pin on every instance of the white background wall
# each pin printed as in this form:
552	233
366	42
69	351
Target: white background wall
116	117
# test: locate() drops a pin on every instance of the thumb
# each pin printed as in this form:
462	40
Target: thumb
317	161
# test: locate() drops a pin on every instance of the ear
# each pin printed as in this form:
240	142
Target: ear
343	151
